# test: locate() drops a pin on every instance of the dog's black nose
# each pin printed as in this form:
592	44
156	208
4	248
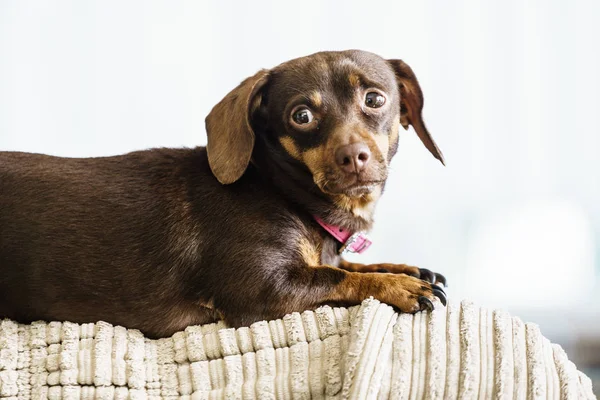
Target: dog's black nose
353	157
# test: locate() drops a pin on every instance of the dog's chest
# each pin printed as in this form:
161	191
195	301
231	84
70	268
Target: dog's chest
319	250
329	254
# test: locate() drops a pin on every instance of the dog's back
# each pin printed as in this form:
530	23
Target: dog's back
100	227
134	239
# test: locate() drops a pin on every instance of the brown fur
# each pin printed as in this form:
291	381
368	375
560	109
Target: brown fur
412	106
384	267
290	147
401	291
230	136
165	238
316	99
354	80
310	251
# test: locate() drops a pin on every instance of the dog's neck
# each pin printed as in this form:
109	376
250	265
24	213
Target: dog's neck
296	184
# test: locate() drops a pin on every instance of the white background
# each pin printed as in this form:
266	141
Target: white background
512	95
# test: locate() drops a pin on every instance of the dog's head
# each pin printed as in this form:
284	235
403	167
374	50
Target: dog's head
334	114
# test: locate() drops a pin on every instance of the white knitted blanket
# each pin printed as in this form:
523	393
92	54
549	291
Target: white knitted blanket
363	352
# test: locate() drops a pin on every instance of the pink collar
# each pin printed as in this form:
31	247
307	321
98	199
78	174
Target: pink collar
356	242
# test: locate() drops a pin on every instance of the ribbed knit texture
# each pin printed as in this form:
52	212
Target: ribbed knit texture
364	352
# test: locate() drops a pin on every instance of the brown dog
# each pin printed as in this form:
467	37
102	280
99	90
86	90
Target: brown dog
248	228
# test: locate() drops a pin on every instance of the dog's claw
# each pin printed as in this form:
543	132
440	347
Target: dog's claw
436	287
424	301
440	295
439	278
427	275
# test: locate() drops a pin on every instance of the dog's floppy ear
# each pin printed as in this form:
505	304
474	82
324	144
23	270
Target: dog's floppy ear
411	105
230	134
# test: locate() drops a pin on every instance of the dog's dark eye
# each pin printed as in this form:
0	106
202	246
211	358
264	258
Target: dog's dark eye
374	100
302	116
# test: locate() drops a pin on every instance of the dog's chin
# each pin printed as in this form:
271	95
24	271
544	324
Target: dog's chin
358	188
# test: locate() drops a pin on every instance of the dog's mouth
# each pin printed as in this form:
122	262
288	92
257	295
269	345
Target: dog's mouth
361	189
355	185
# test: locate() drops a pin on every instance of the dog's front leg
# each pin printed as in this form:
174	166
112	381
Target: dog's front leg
407	293
421	273
307	288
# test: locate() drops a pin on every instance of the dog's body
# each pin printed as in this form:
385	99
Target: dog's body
151	236
165	238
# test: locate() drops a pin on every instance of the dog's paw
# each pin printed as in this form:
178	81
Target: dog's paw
410	294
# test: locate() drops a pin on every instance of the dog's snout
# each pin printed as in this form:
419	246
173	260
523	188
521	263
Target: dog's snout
353	157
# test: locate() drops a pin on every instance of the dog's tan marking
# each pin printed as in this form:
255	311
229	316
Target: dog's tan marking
311	254
290	146
362	207
383	144
395	131
314	159
316	99
354	80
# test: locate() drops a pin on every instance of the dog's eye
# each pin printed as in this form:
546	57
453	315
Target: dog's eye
374	100
302	116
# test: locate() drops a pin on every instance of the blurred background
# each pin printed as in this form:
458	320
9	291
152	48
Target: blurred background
512	97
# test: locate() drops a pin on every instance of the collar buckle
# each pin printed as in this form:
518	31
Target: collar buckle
357	243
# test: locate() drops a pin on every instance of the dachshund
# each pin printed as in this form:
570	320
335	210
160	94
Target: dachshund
251	227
